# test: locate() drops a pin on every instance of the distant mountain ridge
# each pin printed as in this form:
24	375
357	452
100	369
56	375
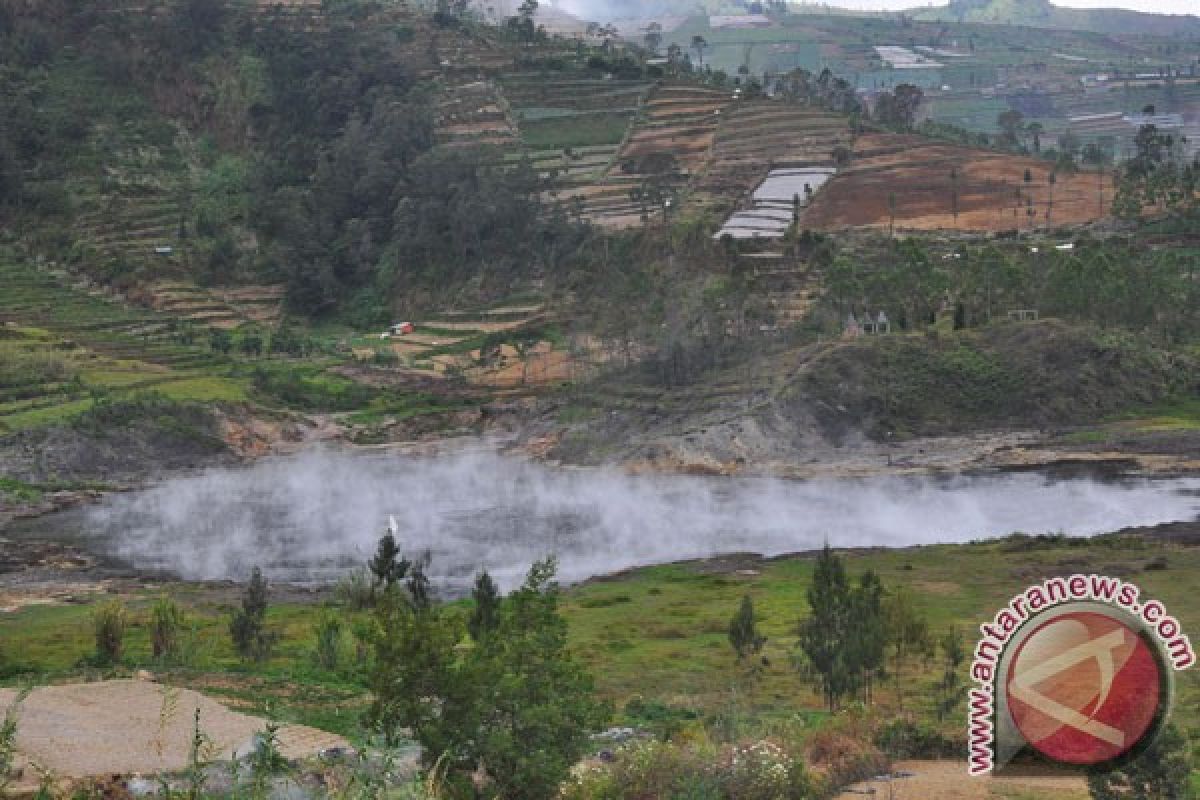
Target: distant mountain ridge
1044	14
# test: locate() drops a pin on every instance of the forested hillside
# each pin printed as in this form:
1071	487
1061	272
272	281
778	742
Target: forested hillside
260	145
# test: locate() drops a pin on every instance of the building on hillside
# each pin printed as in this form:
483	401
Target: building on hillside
851	329
739	22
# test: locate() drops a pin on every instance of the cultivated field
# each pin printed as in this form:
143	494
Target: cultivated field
993	194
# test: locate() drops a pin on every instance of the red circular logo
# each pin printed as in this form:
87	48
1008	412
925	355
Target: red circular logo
1084	688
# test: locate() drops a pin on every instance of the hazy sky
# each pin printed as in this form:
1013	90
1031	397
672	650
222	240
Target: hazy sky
621	8
1155	6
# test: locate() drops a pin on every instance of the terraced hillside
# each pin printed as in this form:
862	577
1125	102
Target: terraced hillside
474	113
676	129
923	178
757	136
225	308
573	124
87	344
511	346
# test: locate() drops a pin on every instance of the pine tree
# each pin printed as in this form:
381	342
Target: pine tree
485	616
954	655
386	565
824	634
867	634
420	593
743	632
517	703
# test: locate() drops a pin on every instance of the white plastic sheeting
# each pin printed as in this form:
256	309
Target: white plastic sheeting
774	202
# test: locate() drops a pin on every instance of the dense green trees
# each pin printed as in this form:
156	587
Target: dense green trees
309	148
513	702
843	638
1114	283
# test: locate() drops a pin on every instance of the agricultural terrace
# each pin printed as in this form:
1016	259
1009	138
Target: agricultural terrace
473	113
928	182
572	124
670	141
62	346
758	136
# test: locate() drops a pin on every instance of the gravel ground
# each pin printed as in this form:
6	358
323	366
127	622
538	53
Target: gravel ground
948	780
131	726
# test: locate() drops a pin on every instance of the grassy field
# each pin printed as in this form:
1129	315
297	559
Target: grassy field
654	638
583	130
62	348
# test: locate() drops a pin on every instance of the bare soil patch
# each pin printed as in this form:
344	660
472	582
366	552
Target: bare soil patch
993	194
948	780
127	726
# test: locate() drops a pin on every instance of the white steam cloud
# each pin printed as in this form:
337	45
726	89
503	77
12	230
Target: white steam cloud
312	516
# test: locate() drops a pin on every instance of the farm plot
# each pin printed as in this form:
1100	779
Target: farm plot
64	342
215	308
674	135
572	124
775	203
496	348
474	113
757	137
928	182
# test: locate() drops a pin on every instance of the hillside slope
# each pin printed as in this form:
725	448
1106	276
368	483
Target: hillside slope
1043	14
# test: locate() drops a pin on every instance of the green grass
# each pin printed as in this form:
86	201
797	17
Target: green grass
19	491
392	408
1183	415
658	635
575	131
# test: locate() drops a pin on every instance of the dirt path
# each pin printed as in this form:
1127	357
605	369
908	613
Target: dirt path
130	726
948	780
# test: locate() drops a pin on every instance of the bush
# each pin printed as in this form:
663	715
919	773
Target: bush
25	369
904	738
356	590
166	620
109	621
761	770
248	630
309	389
8	743
328	634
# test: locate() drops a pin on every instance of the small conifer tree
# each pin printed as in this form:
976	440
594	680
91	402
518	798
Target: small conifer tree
248	628
743	631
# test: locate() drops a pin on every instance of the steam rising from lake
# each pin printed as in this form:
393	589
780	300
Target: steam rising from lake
312	516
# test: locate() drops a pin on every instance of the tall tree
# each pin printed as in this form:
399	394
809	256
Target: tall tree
485	614
516	705
824	634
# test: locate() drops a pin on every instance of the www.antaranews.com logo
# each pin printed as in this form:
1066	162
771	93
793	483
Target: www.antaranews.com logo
1078	668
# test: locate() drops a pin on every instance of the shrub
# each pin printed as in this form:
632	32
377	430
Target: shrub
356	590
166	619
251	639
109	622
310	389
8	742
761	770
328	632
904	738
22	369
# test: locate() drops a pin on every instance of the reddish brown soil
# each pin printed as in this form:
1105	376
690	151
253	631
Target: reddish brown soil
918	172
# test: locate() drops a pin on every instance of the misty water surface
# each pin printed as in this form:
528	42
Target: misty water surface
312	516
